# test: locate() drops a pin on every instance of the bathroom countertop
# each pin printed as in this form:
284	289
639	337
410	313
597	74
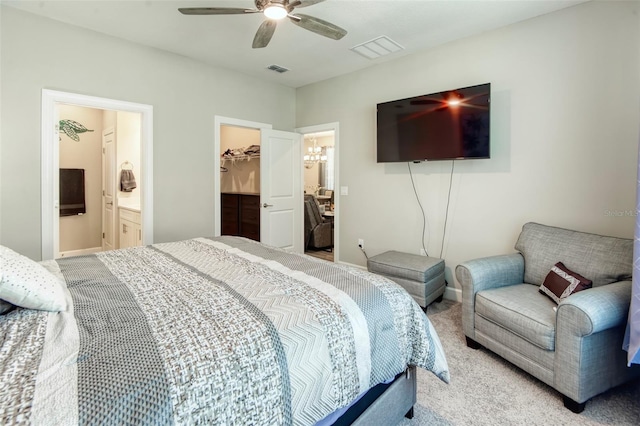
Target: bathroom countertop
132	207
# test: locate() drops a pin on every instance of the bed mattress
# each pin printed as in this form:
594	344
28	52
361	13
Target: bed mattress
208	331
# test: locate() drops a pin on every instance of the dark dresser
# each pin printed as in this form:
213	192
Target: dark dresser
241	214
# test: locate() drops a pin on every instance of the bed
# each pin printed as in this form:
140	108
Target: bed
218	330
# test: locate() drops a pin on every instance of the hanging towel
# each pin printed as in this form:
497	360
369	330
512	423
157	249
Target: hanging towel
127	181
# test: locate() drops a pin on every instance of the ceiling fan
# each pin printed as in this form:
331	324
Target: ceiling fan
275	10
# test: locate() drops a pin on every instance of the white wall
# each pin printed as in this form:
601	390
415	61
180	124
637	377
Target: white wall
564	134
40	53
128	139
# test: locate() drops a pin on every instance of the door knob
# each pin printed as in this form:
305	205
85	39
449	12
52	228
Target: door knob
265	205
110	203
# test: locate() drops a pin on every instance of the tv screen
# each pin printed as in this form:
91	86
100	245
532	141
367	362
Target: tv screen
453	124
72	192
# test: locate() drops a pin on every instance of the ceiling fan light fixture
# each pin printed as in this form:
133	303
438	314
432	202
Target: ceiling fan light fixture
275	11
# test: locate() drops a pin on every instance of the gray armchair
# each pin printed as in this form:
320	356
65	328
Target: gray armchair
577	347
317	231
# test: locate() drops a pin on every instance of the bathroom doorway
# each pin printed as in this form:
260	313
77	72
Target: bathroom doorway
99	159
52	101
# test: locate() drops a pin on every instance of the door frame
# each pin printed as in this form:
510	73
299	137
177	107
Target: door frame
114	198
335	127
220	121
50	162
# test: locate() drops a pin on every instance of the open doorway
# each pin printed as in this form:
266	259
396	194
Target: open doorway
240	181
280	182
99	159
53	131
319	189
321	182
232	130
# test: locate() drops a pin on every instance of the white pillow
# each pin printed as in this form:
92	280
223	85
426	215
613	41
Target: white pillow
28	284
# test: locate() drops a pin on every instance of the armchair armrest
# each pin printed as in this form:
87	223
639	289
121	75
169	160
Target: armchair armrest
590	326
596	309
321	235
482	274
323	225
491	272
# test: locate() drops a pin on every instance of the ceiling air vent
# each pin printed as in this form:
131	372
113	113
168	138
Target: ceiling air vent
277	68
377	47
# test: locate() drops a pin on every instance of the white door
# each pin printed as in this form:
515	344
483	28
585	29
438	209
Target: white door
108	188
281	190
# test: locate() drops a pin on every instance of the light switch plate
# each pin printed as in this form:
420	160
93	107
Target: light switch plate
344	190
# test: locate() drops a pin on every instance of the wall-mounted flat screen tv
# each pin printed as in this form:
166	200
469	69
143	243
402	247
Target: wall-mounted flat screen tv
453	124
72	200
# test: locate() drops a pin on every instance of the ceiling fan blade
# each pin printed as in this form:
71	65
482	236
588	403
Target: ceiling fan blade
318	26
215	11
304	3
264	34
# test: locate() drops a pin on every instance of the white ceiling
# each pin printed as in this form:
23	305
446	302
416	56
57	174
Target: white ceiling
225	41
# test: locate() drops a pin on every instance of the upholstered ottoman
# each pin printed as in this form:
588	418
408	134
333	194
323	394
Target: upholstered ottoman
421	276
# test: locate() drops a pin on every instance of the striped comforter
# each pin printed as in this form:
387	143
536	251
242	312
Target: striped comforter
208	331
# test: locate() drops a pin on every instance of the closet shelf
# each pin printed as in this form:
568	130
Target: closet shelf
241	157
241	154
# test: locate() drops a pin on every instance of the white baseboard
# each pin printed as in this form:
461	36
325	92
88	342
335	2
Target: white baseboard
451	293
80	252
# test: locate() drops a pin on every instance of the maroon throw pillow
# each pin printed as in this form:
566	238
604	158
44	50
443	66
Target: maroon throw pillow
561	282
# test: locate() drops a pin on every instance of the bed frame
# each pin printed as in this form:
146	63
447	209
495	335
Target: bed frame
384	404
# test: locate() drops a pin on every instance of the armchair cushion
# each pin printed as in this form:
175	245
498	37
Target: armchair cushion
603	259
521	310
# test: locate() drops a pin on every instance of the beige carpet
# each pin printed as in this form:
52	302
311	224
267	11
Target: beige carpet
486	390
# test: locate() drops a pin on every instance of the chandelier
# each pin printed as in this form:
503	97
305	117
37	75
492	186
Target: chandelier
315	154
